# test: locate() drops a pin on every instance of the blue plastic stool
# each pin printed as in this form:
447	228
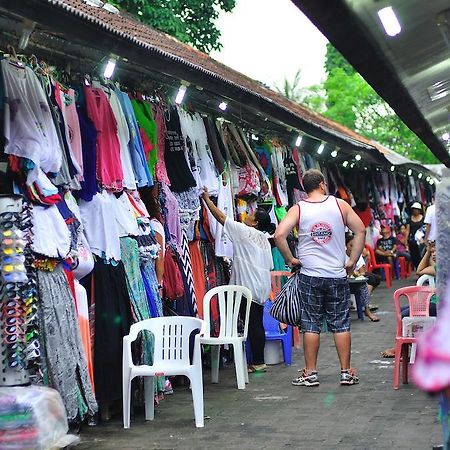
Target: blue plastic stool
274	333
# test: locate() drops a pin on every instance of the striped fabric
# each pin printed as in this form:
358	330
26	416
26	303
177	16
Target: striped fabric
286	307
187	270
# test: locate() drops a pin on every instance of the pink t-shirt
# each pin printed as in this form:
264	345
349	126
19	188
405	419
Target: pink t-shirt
109	166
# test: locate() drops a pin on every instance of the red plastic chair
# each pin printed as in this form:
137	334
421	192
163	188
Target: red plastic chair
279	277
372	265
403	268
418	298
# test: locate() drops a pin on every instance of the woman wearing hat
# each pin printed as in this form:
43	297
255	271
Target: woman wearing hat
414	224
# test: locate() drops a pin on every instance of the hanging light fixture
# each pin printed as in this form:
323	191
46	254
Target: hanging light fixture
299	140
389	21
320	148
110	67
420	175
334	153
181	92
345	164
223	106
409	172
358	157
392	168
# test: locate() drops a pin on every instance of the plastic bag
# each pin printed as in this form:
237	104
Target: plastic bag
33	417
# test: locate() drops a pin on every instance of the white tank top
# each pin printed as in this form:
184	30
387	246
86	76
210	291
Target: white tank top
321	239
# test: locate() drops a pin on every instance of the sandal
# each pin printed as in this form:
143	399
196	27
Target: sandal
388	353
257	368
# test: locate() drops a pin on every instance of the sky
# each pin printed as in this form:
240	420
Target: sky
270	43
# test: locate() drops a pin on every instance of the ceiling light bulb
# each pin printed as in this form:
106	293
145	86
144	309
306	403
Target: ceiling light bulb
389	21
345	164
420	175
110	67
180	94
409	172
431	181
358	157
392	168
320	149
446	136
334	153
223	106
299	140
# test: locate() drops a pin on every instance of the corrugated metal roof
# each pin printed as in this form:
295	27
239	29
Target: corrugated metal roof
142	35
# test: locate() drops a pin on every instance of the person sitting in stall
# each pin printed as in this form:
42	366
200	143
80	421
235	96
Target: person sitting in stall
402	243
361	288
386	247
427	266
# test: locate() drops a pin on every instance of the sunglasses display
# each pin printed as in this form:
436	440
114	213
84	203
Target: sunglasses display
18	311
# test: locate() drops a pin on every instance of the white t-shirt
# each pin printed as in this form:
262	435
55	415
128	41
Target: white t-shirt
430	218
252	259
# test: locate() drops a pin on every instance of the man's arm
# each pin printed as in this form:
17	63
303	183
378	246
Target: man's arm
215	211
355	224
282	232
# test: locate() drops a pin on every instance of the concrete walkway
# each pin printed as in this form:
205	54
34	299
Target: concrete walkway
273	414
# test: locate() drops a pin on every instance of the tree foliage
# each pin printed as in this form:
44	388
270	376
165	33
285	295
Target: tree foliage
351	101
312	97
190	21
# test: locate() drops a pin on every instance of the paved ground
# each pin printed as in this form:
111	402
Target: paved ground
272	414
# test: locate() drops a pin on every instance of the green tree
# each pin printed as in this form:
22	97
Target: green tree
312	97
190	21
351	101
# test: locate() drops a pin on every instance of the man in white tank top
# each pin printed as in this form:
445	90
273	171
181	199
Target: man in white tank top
323	286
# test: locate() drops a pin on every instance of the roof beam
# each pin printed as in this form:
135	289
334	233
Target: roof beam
347	33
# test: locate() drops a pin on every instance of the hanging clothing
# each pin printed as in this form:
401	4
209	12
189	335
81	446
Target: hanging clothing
29	128
57	243
100	226
144	116
123	133
180	176
88	132
112	322
73	126
198	274
160	167
186	264
136	148
109	165
66	363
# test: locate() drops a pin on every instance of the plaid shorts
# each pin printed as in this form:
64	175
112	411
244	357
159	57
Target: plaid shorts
329	297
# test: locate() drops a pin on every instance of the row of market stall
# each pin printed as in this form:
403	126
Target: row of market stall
110	154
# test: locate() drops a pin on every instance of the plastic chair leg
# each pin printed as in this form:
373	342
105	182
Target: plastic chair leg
149	392
287	350
246	360
215	357
240	365
248	351
387	271
197	397
405	363
126	399
396	374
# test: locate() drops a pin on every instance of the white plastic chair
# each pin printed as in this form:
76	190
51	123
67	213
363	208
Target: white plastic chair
171	357
426	280
229	301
